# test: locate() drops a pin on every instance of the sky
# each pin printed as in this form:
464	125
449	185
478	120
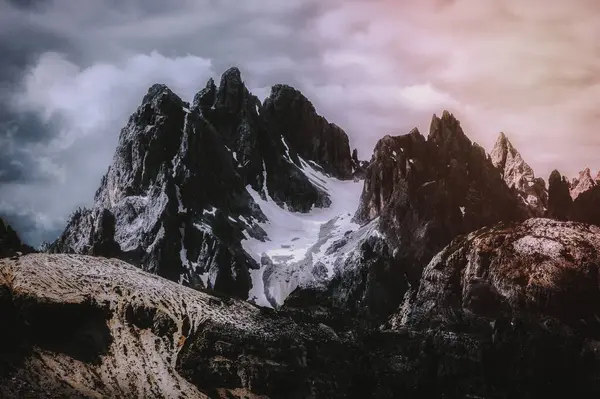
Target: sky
72	71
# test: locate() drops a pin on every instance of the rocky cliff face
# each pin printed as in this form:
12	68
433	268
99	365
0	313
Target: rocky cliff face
540	267
582	183
518	175
584	208
288	112
418	195
182	193
523	299
425	192
559	197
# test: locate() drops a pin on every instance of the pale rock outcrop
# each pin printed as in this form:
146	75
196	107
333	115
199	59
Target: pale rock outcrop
519	175
582	183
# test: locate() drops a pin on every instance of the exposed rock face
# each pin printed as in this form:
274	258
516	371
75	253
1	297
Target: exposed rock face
582	183
77	326
10	243
421	193
359	168
176	198
559	198
290	114
586	207
110	330
523	298
540	267
518	175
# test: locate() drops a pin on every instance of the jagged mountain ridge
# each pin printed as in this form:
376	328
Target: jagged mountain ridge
419	194
581	205
237	196
519	175
178	197
582	183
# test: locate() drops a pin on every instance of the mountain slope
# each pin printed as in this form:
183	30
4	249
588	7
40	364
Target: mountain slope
183	192
582	183
92	327
518	175
418	195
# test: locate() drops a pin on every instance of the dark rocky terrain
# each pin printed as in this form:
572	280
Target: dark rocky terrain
520	176
585	207
507	311
582	183
419	273
420	193
10	243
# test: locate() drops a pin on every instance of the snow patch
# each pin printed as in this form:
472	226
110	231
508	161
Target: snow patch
183	251
203	227
264	187
211	212
298	241
181	208
287	149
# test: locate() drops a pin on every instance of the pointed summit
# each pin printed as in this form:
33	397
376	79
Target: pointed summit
447	134
289	113
232	91
158	91
519	175
559	200
515	170
582	183
205	98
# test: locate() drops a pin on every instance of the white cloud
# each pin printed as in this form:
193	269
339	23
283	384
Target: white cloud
94	99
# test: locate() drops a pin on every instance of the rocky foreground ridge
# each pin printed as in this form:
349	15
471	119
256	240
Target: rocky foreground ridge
507	311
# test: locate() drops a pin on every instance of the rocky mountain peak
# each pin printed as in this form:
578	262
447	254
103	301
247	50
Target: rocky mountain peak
311	135
232	91
584	208
446	133
582	183
421	193
519	175
205	98
184	192
559	197
159	93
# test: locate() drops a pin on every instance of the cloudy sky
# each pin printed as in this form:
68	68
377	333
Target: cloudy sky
71	71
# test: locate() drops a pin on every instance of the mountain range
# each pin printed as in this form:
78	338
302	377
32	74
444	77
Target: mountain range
241	249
